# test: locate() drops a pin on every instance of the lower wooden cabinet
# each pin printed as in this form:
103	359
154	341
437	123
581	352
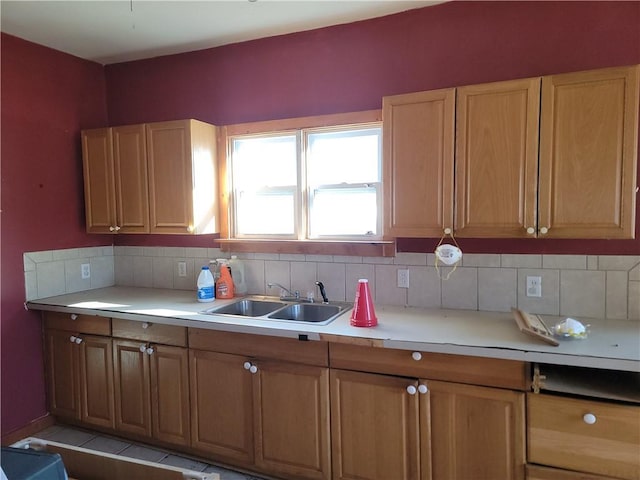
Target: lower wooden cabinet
80	377
271	414
152	390
536	472
395	427
595	437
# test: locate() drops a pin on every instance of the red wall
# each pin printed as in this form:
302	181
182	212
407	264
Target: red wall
47	97
350	67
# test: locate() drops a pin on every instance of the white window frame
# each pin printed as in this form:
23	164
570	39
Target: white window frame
303	197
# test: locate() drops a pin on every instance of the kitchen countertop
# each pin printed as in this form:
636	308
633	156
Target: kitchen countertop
611	344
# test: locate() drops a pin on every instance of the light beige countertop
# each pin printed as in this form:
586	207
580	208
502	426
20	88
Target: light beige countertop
611	344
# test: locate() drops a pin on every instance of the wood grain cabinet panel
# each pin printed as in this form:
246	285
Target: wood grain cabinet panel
588	153
496	177
418	147
80	377
182	177
115	180
583	435
152	391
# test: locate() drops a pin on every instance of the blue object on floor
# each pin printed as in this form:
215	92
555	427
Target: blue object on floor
29	464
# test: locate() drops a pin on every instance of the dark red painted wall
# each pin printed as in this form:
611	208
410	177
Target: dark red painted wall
351	67
47	97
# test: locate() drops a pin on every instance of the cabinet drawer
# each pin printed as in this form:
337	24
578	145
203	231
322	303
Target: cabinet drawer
260	346
150	332
560	436
77	323
434	366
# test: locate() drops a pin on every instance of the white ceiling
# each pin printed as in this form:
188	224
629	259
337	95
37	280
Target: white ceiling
122	30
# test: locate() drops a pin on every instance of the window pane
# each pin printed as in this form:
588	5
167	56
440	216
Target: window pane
351	156
265	214
264	161
344	211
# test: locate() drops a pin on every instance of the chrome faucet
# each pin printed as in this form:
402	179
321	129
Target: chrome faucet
292	295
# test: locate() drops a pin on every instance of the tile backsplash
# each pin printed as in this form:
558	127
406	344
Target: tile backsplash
596	286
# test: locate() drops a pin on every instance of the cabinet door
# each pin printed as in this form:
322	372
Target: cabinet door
62	374
374	427
182	177
99	197
588	154
476	432
291	405
96	381
418	163
170	394
132	388
497	159
221	406
131	185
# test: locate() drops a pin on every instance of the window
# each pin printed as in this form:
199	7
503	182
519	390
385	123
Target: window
318	183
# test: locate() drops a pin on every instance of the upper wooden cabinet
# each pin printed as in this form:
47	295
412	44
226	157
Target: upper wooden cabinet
497	158
551	157
418	168
115	180
588	154
182	177
153	178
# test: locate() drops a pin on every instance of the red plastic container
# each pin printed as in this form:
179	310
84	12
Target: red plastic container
363	313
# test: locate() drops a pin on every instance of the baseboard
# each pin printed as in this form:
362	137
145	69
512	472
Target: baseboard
28	430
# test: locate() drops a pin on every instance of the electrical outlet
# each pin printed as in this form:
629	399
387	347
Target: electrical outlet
403	278
534	286
85	270
182	269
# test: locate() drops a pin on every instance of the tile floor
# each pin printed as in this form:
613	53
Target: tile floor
104	443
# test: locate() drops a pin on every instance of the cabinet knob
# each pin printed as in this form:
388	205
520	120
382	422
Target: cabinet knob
72	339
78	340
422	388
74	316
416	356
247	365
112	229
531	230
589	418
150	351
143	348
145	325
117	228
190	229
253	369
447	231
411	389
544	230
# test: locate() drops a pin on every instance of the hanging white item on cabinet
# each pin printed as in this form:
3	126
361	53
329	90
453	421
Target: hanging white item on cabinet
447	254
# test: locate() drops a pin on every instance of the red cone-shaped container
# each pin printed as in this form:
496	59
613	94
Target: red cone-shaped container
363	314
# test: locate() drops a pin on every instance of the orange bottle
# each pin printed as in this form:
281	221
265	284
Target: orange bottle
224	285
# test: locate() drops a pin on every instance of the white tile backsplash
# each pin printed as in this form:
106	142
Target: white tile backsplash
573	285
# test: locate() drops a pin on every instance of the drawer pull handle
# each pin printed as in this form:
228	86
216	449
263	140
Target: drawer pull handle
416	356
411	390
589	418
422	388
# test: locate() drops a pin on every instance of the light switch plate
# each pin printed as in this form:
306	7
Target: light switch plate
534	286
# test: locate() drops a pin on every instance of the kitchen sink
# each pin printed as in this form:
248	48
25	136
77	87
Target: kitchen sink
306	312
248	308
273	309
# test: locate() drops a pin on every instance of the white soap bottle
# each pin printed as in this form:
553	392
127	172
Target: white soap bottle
238	275
206	289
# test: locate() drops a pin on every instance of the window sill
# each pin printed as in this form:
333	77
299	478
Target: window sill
310	247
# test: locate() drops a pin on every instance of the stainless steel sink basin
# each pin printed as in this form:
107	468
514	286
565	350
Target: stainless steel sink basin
272	309
306	312
248	308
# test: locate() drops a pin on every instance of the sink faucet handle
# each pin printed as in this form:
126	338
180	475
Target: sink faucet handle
322	292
